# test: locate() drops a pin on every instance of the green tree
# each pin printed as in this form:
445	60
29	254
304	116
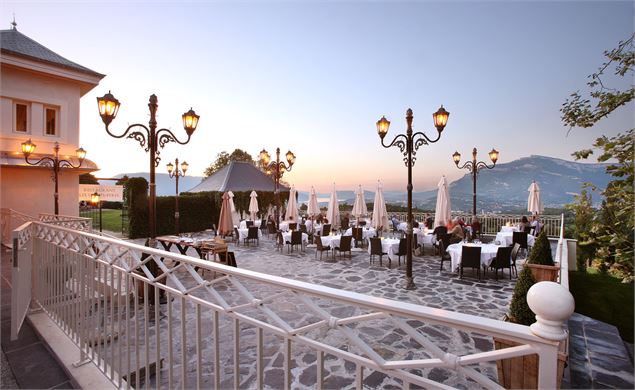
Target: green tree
223	158
614	226
88	178
584	222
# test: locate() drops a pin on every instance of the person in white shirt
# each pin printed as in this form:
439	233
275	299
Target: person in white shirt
535	223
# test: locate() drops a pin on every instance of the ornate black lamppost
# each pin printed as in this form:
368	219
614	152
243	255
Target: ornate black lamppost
277	169
152	140
176	173
474	167
408	146
55	163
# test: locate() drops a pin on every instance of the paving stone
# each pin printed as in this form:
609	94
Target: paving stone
32	370
608	381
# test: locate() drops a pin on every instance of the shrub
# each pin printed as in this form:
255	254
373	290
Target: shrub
541	252
519	311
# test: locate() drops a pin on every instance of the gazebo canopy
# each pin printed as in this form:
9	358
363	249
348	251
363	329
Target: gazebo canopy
237	176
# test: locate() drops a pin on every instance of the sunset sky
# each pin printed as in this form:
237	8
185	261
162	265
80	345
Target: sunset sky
314	77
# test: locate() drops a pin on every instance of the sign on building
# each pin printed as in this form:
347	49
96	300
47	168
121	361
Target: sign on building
106	193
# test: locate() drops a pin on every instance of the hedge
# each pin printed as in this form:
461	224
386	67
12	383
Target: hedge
197	211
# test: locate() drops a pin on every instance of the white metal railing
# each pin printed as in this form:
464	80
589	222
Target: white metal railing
10	220
69	221
22	255
219	332
492	223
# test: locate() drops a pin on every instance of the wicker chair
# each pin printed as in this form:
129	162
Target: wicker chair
345	246
252	235
376	249
296	239
319	248
471	257
326	229
502	261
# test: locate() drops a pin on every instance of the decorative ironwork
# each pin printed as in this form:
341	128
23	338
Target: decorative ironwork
473	167
277	169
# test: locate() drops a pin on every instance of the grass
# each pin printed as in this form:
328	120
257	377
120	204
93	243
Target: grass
604	298
111	219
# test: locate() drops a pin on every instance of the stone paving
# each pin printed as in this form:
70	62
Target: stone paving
436	289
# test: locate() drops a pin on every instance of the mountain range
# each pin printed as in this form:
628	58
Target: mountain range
501	189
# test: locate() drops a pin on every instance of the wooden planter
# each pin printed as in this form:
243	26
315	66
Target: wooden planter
544	273
522	372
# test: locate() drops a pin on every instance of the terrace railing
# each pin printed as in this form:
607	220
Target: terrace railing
10	220
239	328
492	223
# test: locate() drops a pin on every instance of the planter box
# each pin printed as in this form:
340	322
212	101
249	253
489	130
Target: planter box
544	273
522	372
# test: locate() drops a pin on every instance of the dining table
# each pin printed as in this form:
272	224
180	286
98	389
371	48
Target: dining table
201	247
244	232
286	237
488	253
390	246
509	229
507	238
243	224
331	241
367	232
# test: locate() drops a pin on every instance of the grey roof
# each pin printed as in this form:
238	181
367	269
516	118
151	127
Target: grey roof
237	176
14	42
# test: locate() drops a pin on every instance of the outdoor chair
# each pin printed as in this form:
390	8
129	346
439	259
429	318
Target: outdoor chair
514	256
271	229
438	232
252	234
296	239
326	229
443	250
358	236
376	249
402	250
229	260
361	223
502	261
263	224
345	246
471	257
237	236
527	229
476	230
249	224
521	239
319	247
303	229
279	241
293	226
345	225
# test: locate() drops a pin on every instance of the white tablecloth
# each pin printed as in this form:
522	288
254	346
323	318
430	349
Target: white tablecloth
287	237
366	232
284	225
506	238
389	246
506	229
488	253
424	236
331	241
242	233
243	224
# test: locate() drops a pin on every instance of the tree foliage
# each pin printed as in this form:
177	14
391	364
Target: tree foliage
223	158
519	311
613	226
583	222
541	252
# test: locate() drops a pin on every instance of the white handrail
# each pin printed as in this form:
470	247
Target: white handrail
92	286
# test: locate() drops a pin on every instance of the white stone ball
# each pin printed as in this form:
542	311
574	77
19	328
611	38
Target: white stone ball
551	301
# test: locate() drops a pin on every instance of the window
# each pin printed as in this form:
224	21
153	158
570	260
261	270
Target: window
50	121
21	115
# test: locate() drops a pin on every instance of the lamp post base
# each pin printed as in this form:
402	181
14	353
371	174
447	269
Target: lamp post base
410	284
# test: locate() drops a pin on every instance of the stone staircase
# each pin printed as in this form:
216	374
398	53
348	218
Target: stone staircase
598	358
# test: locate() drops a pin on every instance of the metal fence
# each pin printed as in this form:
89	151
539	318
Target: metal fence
238	328
492	223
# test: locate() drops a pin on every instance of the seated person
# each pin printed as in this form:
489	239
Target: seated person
441	229
319	219
415	224
524	223
429	223
309	226
456	233
535	223
476	227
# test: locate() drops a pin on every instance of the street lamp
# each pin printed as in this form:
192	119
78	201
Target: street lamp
94	199
152	140
55	163
277	169
408	146
176	173
474	167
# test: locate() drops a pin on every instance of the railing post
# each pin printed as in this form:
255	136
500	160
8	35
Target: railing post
553	305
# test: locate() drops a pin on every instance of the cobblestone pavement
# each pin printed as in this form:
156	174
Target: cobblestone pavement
436	289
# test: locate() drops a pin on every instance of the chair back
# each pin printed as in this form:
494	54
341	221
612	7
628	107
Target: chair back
318	243
279	239
357	233
230	259
303	228
514	252
503	256
402	247
326	229
527	229
296	237
252	232
236	233
445	239
293	226
263	223
471	256
375	246
271	228
345	243
520	238
249	223
361	223
440	230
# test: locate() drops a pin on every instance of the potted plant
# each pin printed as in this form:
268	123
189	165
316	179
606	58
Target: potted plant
522	372
541	262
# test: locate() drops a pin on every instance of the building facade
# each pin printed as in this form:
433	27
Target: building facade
39	100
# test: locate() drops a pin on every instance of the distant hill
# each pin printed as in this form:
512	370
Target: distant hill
501	189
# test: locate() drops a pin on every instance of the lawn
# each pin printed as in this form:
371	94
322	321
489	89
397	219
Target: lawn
111	219
604	298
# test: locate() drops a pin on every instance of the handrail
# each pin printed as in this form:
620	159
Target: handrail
81	276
